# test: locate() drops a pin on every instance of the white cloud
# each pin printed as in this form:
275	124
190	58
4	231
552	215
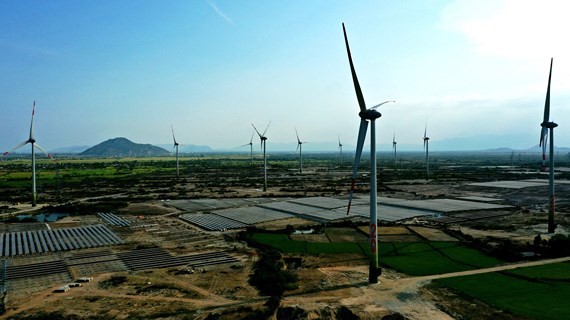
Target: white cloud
514	29
220	13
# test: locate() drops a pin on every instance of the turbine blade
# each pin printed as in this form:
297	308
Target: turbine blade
251	140
543	138
298	140
32	123
266	128
546	118
547	101
359	146
394	137
16	147
173	138
357	88
259	134
339	144
47	154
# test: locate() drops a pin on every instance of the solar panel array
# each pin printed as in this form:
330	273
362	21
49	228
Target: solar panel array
159	258
211	221
53	240
386	212
252	215
113	219
322	202
36	270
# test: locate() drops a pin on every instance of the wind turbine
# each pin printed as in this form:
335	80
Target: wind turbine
31	140
250	144
340	149
263	139
365	116
394	143
176	144
426	149
300	148
546	125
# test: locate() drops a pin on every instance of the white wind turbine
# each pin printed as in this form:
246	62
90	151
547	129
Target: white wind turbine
263	139
394	143
31	140
300	148
365	116
176	144
426	149
250	144
546	126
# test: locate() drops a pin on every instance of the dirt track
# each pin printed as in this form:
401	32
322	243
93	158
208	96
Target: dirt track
392	294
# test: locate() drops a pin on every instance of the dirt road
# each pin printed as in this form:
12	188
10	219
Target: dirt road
392	294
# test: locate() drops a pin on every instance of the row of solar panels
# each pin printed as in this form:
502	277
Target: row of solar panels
36	270
134	260
113	219
159	258
40	241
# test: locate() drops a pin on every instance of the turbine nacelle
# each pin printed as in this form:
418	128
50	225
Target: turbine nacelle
549	125
369	114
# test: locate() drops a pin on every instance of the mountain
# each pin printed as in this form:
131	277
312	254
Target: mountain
122	147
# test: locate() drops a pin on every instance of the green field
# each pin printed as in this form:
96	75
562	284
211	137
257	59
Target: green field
540	292
413	258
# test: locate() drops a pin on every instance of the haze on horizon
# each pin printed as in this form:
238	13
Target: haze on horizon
104	69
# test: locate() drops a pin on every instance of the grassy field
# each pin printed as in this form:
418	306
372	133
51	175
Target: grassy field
413	258
540	292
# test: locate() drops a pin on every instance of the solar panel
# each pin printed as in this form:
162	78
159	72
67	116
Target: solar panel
212	221
252	215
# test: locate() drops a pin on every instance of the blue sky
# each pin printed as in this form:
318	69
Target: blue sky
105	69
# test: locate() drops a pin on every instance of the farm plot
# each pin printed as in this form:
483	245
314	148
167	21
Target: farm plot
321	237
540	292
432	234
345	235
426	258
393	234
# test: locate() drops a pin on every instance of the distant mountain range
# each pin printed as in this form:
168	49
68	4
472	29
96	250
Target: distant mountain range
122	147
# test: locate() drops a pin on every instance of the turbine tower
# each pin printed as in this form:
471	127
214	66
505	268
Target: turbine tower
426	149
365	116
546	126
340	150
31	140
176	147
263	139
250	144
394	143
300	148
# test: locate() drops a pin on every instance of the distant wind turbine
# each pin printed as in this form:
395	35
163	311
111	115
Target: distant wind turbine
546	125
176	144
263	139
365	116
340	150
426	149
31	140
300	148
250	144
394	143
